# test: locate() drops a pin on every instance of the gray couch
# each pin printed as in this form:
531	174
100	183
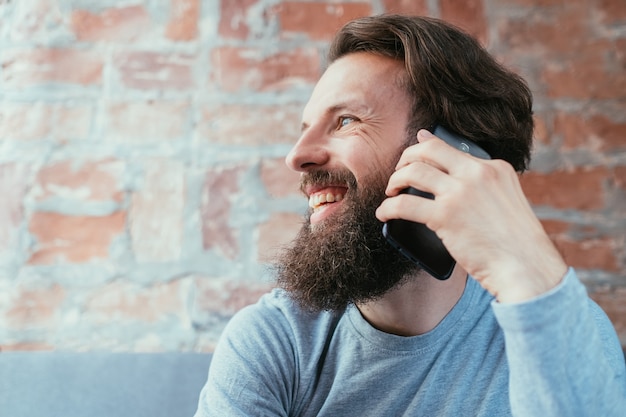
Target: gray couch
100	384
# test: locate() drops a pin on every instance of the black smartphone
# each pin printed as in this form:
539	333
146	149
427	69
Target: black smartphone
415	240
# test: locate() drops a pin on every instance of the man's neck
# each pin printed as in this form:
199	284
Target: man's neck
417	306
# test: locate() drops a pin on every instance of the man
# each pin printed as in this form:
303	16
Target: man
356	329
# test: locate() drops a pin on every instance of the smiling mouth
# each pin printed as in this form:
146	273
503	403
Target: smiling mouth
320	198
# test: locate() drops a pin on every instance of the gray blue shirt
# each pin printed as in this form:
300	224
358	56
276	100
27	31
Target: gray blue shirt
555	355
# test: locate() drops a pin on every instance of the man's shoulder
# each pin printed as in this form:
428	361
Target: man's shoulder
277	315
278	303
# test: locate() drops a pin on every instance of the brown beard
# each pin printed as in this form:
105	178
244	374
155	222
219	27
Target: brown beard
345	259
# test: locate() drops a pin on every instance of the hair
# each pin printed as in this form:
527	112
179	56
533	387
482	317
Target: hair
453	80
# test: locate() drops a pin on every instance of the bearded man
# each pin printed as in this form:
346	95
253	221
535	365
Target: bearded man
355	328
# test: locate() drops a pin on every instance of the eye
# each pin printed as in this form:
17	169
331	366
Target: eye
345	121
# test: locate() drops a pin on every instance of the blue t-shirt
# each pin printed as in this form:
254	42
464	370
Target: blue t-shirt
555	355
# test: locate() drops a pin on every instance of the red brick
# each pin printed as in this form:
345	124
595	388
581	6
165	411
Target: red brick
555	33
591	249
156	212
279	180
226	296
146	121
563	189
595	132
73	239
250	125
536	3
40	120
595	72
234	18
183	24
318	20
411	7
613	302
72	121
598	253
14	180
220	188
564	229
611	12
124	301
238	69
35	67
100	180
115	24
154	70
542	132
555	227
276	233
35	307
25	121
468	14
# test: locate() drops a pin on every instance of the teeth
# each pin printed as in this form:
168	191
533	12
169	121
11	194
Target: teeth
319	199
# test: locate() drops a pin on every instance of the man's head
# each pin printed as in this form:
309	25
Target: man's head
388	76
451	79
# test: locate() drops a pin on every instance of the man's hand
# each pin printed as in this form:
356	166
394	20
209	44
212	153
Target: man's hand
480	213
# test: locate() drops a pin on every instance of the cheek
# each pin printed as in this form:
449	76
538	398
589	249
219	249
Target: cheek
372	167
372	156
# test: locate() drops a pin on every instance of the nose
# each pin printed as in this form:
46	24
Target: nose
308	153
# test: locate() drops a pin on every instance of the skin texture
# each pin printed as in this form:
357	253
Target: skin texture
356	120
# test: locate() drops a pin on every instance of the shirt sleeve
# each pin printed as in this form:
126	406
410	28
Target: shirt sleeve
252	369
564	356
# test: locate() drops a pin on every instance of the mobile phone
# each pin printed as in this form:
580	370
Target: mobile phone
415	240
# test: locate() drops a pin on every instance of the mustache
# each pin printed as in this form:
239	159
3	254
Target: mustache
326	178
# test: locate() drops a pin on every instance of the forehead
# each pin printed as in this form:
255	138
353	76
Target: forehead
361	79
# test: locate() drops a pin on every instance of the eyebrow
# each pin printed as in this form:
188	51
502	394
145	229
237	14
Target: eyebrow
354	105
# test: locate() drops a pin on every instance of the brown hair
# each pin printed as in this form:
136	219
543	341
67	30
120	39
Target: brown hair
453	79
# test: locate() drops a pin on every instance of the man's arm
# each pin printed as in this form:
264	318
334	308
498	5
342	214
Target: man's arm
252	369
564	356
562	350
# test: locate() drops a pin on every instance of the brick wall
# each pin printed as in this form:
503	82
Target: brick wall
141	146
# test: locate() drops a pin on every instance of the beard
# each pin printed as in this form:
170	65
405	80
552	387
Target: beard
344	259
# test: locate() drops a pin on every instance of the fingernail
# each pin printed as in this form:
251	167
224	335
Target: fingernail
425	133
